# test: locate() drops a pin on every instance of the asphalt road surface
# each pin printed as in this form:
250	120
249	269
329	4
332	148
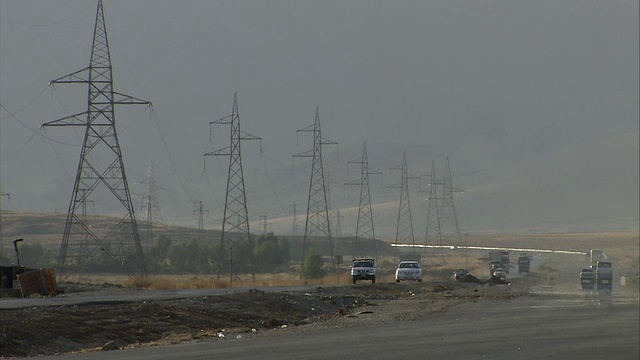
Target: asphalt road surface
557	322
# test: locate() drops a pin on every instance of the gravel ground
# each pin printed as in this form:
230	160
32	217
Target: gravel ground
114	325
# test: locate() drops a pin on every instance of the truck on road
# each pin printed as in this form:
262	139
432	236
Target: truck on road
587	279
524	263
499	259
604	276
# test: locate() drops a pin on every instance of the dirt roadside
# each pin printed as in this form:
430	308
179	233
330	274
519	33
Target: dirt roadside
106	326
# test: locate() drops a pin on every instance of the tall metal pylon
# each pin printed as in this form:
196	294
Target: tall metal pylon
448	215
317	223
150	204
364	226
404	228
236	216
200	212
433	231
100	172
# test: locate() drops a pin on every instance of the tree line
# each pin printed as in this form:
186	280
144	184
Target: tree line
256	255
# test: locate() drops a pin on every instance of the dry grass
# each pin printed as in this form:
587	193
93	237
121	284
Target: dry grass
622	247
210	282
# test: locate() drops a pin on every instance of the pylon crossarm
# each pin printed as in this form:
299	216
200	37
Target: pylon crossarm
324	141
308	153
123	99
220	152
224	120
78	119
80	76
310	128
247	136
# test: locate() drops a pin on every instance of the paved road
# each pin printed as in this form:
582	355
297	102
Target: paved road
558	322
547	326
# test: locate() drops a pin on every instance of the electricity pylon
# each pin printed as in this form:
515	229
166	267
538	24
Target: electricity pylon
364	226
447	208
236	216
433	231
100	172
404	228
200	212
150	204
317	223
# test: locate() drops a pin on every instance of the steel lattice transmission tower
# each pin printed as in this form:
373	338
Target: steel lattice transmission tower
404	229
101	173
447	208
150	204
200	212
433	231
235	217
364	226
317	223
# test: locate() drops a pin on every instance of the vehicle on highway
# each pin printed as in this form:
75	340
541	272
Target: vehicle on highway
460	273
524	263
500	258
587	279
500	273
408	270
363	269
604	276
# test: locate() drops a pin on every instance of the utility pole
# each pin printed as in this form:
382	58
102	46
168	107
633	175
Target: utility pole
338	225
1	239
101	170
264	224
294	221
317	222
364	226
236	216
404	229
466	249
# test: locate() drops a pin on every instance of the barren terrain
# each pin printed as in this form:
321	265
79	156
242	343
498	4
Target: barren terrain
83	327
262	311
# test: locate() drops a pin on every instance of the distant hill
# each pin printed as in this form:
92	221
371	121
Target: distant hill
47	229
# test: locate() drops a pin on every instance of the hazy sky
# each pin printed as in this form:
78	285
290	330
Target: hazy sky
483	81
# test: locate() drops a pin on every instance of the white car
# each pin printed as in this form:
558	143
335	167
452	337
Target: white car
500	273
363	269
408	270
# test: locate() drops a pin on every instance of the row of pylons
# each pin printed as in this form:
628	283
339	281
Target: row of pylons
101	174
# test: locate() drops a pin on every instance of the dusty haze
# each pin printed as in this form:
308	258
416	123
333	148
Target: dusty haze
535	103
